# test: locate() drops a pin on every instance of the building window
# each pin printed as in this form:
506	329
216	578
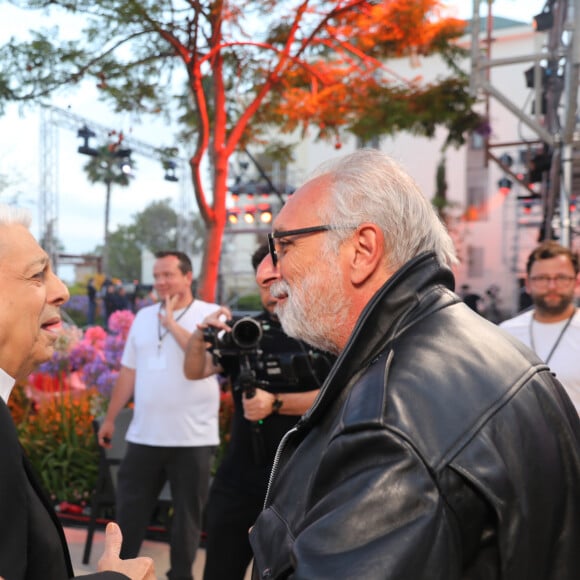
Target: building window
475	257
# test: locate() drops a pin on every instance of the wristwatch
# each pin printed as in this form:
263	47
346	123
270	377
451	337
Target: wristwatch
276	404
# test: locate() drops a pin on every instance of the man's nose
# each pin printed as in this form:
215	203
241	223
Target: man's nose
267	273
57	290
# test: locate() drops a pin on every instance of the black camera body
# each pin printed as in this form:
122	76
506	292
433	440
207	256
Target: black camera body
260	366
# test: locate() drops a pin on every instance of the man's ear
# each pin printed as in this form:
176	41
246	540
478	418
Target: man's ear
368	252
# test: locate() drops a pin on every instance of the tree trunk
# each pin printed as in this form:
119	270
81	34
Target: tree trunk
215	223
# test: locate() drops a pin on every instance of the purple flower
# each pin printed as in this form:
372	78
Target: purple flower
96	355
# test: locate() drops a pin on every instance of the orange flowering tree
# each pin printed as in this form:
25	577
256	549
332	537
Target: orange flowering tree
229	71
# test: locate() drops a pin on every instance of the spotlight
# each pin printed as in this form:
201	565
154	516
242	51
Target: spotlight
530	75
85	133
505	185
266	217
249	217
233	216
265	213
506	160
544	20
539	164
125	163
169	167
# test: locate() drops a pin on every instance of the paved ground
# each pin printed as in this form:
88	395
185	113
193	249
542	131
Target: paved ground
159	551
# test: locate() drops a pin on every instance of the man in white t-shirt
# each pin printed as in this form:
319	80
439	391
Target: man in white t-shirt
174	430
552	327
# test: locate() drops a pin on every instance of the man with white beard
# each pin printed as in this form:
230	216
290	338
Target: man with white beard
438	448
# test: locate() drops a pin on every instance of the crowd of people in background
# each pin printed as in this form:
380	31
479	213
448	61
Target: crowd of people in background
114	295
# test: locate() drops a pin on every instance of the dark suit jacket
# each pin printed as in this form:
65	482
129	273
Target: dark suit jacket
32	541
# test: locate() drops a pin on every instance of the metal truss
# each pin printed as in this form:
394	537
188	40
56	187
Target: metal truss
51	120
557	125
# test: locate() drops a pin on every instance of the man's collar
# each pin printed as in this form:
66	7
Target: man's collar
6	385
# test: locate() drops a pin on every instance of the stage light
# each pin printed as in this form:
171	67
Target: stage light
544	20
265	213
170	167
233	216
505	185
539	164
125	163
530	75
506	160
85	133
266	217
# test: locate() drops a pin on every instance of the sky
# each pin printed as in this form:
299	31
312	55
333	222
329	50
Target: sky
81	205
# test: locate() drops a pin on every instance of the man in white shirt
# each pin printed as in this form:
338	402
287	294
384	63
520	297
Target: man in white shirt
174	431
552	327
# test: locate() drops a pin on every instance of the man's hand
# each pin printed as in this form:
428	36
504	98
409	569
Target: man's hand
105	434
166	314
217	319
137	568
259	406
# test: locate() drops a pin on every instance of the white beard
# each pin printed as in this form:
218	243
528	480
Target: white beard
314	308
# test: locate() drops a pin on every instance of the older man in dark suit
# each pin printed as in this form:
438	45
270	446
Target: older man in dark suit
32	542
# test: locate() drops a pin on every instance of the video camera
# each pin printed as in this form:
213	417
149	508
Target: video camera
261	361
250	342
245	336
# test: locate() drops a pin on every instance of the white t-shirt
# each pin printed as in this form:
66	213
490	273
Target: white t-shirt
170	410
565	360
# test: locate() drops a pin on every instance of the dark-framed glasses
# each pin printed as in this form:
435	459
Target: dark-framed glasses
560	280
272	237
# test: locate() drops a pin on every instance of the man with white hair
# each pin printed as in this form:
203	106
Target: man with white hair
32	542
439	448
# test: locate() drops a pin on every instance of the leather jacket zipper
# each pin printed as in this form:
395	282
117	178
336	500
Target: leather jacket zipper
276	462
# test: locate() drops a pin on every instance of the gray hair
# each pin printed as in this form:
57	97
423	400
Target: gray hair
369	186
10	215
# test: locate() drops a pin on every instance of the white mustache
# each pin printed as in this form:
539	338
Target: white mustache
280	289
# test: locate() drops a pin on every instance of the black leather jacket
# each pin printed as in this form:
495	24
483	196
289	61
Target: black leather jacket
439	448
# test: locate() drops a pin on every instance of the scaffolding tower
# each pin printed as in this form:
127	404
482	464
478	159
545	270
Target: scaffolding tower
554	77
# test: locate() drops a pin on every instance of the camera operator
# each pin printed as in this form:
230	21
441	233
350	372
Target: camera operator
270	395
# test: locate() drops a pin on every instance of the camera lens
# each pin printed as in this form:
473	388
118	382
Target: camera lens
246	333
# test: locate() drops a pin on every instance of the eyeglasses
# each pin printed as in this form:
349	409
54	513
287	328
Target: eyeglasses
300	232
560	280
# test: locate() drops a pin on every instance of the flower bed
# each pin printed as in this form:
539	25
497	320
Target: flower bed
54	411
